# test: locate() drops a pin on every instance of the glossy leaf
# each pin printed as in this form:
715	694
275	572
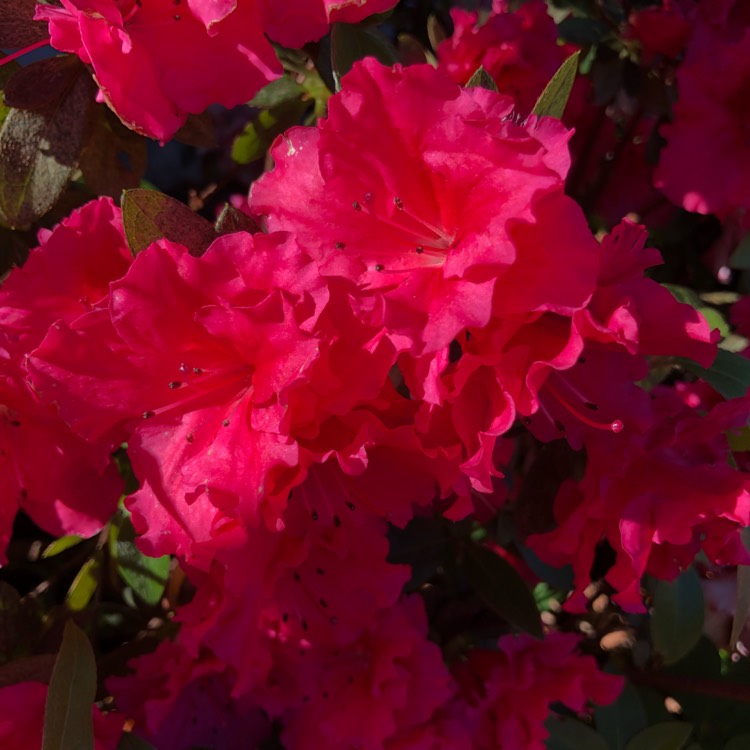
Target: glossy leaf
258	135
147	576
38	153
148	216
68	723
571	734
670	735
232	220
742	604
621	720
350	43
84	585
129	741
481	80
729	374
500	587
677	617
17	25
554	98
61	544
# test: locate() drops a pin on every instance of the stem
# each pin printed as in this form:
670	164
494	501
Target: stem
672	683
21	52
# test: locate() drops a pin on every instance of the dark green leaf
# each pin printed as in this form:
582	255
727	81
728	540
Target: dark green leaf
481	80
84	585
423	545
571	734
233	220
36	668
350	43
43	84
68	722
277	92
38	153
198	130
671	735
742	604
552	101
741	256
622	719
729	374
677	617
148	216
20	623
17	25
583	31
500	587
129	741
253	143
114	158
738	743
147	576
436	32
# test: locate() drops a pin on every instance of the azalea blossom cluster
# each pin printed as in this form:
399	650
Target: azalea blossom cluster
423	301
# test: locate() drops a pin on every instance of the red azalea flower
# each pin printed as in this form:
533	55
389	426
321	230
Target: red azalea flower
151	59
293	24
435	201
512	688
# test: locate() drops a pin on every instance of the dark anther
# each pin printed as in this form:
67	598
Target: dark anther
175	384
197	371
190	437
225	422
398	202
420	249
304	625
323	603
340	246
184	367
379	267
177	18
560	426
356	206
315	515
148	414
285	617
350	505
590	405
336	521
581	360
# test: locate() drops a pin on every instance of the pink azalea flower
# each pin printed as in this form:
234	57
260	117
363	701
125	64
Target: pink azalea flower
511	689
22	719
157	61
435	201
293	24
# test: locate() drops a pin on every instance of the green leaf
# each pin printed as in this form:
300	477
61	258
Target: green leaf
83	586
738	743
147	576
148	216
500	587
583	31
552	101
129	741
277	92
571	734
622	719
436	32
61	544
742	604
670	735
350	42
68	722
729	374
714	319
258	135
481	80
677	618
233	220
38	153
741	256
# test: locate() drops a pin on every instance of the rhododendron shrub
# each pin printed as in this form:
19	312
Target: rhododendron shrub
424	425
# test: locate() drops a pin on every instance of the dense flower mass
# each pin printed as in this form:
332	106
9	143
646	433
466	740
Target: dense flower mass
408	446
